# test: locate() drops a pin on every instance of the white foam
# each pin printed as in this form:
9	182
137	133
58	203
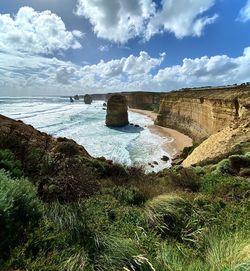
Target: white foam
86	125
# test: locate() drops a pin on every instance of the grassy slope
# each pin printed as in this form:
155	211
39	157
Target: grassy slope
73	212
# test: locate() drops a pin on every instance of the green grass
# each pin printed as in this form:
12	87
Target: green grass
20	211
93	215
9	163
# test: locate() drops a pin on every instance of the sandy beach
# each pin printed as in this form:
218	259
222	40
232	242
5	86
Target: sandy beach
179	142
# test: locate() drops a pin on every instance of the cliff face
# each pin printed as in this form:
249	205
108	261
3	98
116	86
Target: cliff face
220	117
201	113
143	100
117	111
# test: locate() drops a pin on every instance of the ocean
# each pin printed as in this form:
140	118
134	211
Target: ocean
86	125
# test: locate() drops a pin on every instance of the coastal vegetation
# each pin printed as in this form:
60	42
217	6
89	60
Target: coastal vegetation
61	209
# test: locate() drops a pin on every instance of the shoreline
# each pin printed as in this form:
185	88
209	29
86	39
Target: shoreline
179	141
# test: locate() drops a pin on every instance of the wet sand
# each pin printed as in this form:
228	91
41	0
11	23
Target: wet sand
179	141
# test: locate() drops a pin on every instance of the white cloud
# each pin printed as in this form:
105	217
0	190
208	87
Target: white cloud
132	65
78	34
36	32
204	71
116	20
183	18
244	14
37	75
121	20
104	48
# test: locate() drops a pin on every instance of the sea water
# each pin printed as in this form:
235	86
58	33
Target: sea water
86	125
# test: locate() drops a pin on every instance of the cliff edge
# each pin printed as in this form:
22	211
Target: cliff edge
219	118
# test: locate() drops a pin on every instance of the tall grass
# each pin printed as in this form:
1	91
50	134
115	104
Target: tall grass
228	251
122	254
168	213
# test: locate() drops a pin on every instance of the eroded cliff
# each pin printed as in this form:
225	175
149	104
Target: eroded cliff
217	117
201	113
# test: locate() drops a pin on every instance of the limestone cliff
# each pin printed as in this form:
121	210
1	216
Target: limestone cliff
144	100
141	100
117	111
201	113
220	116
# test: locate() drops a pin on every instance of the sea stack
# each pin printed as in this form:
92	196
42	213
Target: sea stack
87	99
117	111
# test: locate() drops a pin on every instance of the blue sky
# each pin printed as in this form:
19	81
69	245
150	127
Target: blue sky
51	47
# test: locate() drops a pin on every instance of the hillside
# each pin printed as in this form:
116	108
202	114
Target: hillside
61	209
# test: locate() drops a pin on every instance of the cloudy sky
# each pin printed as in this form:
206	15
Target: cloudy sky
64	47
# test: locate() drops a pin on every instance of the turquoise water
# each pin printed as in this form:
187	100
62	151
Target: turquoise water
86	125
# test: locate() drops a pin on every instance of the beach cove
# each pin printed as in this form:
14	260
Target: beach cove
138	146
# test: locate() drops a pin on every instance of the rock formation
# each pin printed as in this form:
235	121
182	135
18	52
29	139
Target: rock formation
142	100
201	113
117	111
19	133
87	99
220	116
76	97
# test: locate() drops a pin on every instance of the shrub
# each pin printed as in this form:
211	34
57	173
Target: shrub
123	195
200	171
223	167
188	150
225	186
185	178
239	161
68	148
9	163
71	182
168	214
20	211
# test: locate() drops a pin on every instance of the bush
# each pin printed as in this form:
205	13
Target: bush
124	195
239	161
223	167
72	181
168	214
185	179
9	163
20	211
68	148
225	186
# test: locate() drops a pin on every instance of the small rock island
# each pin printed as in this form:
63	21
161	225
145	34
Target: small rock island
117	111
87	99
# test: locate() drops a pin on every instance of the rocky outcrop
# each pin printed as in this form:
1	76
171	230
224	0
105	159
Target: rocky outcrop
142	100
219	145
218	117
17	134
87	99
117	111
201	113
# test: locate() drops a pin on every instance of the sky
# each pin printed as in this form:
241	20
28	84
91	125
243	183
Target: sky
67	47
